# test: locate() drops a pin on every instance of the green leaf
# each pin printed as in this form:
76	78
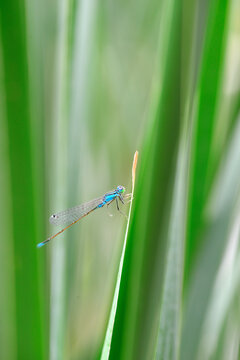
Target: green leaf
108	337
170	315
21	216
135	323
221	212
204	122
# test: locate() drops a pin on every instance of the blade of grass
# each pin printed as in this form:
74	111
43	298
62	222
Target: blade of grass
208	88
8	348
58	176
134	334
215	234
80	98
17	119
108	337
169	328
225	289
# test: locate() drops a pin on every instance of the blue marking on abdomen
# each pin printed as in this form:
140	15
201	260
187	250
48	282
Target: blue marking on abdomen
102	204
40	244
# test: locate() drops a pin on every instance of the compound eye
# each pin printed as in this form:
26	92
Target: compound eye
120	188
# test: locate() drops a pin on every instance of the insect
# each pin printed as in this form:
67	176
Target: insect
73	215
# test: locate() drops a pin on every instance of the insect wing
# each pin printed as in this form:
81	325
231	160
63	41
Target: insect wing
70	215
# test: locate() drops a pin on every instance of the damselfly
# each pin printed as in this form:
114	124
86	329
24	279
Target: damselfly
73	215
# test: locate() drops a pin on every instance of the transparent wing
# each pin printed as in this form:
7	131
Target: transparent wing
70	215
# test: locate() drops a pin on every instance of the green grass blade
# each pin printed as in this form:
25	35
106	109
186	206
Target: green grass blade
58	182
135	323
205	119
169	328
8	346
108	337
219	325
221	212
22	201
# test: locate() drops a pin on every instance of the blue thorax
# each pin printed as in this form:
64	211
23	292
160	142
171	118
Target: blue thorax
112	195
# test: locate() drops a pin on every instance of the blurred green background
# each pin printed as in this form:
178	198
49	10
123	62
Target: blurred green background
83	84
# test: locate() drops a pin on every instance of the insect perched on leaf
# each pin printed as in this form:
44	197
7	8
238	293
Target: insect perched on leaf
73	215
